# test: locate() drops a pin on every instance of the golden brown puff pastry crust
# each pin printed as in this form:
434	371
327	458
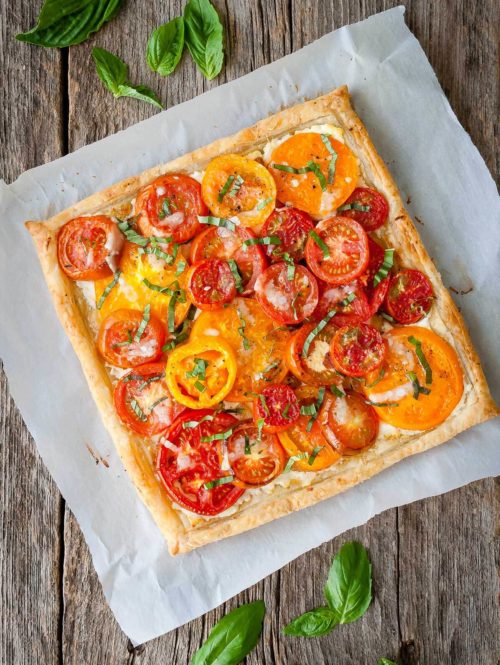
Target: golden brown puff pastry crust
475	406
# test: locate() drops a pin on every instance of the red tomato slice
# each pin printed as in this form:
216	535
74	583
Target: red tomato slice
362	198
143	401
292	227
210	284
357	350
341	254
286	300
116	340
221	243
169	207
375	295
84	246
316	367
409	297
331	297
355	424
277	407
189	459
255	459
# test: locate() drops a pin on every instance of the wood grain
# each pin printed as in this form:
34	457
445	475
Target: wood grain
435	598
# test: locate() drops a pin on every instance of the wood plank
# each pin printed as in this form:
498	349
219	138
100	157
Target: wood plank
30	506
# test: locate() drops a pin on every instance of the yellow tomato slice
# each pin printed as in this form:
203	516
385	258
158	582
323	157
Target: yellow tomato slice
237	186
306	191
396	385
132	292
296	439
201	373
258	342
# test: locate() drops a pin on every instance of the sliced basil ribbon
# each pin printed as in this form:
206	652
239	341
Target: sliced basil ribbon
145	320
293	459
333	159
421	357
218	481
354	206
217	221
321	243
108	289
387	264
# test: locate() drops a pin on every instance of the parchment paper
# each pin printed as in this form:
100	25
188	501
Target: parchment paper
397	95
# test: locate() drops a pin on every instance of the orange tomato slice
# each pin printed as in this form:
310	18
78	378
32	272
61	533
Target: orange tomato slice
395	387
131	291
237	186
258	342
201	373
305	190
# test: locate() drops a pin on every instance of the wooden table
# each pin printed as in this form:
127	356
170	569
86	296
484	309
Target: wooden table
433	561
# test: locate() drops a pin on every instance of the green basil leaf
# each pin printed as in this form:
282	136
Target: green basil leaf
348	590
204	36
68	22
113	72
233	637
165	47
312	624
386	661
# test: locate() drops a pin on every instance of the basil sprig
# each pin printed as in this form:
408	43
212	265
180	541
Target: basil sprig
348	592
165	46
113	72
354	206
62	23
203	33
233	637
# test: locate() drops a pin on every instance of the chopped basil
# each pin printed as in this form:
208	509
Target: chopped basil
265	240
285	411
335	390
238	280
156	287
262	400
181	266
131	234
126	342
264	203
260	425
333	159
310	167
367	401
274	365
417	388
321	243
199	369
348	299
293	459
157	251
313	409
189	424
379	378
183	333
387	317
219	436
138	411
166	209
151	379
217	221
316	451
383	271
290	271
248	448
241	330
294	302
422	359
158	401
355	206
236	186
289	169
218	481
145	320
199	386
225	188
108	289
315	331
313	167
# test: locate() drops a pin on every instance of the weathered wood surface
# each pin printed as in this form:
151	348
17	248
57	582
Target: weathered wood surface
434	561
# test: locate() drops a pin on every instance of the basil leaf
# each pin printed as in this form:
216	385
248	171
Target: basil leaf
204	37
348	590
218	482
165	46
113	72
233	637
68	22
386	661
312	624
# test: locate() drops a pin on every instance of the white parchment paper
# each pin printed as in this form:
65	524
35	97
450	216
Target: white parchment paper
397	95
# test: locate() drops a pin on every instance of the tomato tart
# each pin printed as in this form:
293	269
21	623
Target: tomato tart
259	323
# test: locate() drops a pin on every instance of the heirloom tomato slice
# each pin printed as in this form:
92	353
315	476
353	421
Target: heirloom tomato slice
409	297
292	227
255	457
358	349
366	206
355	423
276	407
313	366
284	299
210	284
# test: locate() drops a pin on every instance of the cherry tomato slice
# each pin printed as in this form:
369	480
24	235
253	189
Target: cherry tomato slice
169	207
331	298
342	255
409	297
189	459
375	294
292	227
210	284
221	243
357	350
86	244
316	367
255	459
117	341
354	423
362	198
143	401
287	300
305	190
277	407
234	185
302	438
